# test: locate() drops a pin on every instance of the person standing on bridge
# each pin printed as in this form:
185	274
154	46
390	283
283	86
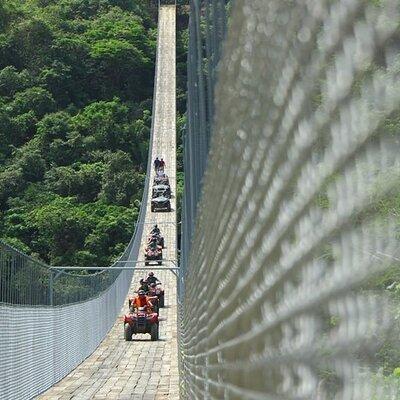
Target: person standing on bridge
157	163
162	164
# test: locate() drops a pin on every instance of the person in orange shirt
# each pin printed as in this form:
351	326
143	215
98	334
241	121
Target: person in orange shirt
141	300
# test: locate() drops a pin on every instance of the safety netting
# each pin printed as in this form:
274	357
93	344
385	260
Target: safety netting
290	237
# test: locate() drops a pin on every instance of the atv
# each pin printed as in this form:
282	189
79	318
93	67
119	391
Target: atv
161	190
161	180
160	203
153	254
141	321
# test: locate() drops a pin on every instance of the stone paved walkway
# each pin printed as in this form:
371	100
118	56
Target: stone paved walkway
142	369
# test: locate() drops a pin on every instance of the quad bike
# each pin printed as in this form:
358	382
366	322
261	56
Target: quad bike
141	321
153	254
161	190
159	293
161	180
161	203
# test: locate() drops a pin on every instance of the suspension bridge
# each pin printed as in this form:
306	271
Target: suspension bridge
291	148
143	369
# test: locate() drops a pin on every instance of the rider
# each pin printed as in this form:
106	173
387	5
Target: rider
155	230
152	239
152	279
162	164
143	286
141	300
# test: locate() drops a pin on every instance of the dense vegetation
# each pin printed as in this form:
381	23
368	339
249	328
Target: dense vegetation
76	80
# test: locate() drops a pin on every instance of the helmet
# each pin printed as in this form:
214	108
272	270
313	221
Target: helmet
155	226
141	293
151	273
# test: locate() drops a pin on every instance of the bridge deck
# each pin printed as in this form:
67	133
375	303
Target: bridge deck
142	369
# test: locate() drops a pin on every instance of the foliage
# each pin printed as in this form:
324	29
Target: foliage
76	80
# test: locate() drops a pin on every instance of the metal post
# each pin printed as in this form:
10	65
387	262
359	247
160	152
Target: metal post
51	287
54	274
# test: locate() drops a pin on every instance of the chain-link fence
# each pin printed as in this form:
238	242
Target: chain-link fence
27	281
207	26
291	288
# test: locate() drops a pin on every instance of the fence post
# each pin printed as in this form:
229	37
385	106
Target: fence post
51	288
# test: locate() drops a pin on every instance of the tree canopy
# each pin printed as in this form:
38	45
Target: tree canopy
76	80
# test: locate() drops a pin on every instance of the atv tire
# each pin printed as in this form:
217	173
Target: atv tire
146	263
161	301
128	332
154	332
159	262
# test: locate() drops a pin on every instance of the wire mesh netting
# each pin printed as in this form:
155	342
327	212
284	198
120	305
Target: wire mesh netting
27	281
291	286
207	26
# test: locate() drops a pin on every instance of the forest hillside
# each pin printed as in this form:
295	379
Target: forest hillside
76	81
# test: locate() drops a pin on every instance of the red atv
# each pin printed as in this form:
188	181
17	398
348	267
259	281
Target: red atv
159	293
153	253
141	321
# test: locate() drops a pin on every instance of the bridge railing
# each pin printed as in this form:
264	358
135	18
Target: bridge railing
207	27
290	236
27	281
23	280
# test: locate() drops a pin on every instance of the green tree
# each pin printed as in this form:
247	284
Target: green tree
35	99
121	184
11	183
80	180
76	78
32	165
12	81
